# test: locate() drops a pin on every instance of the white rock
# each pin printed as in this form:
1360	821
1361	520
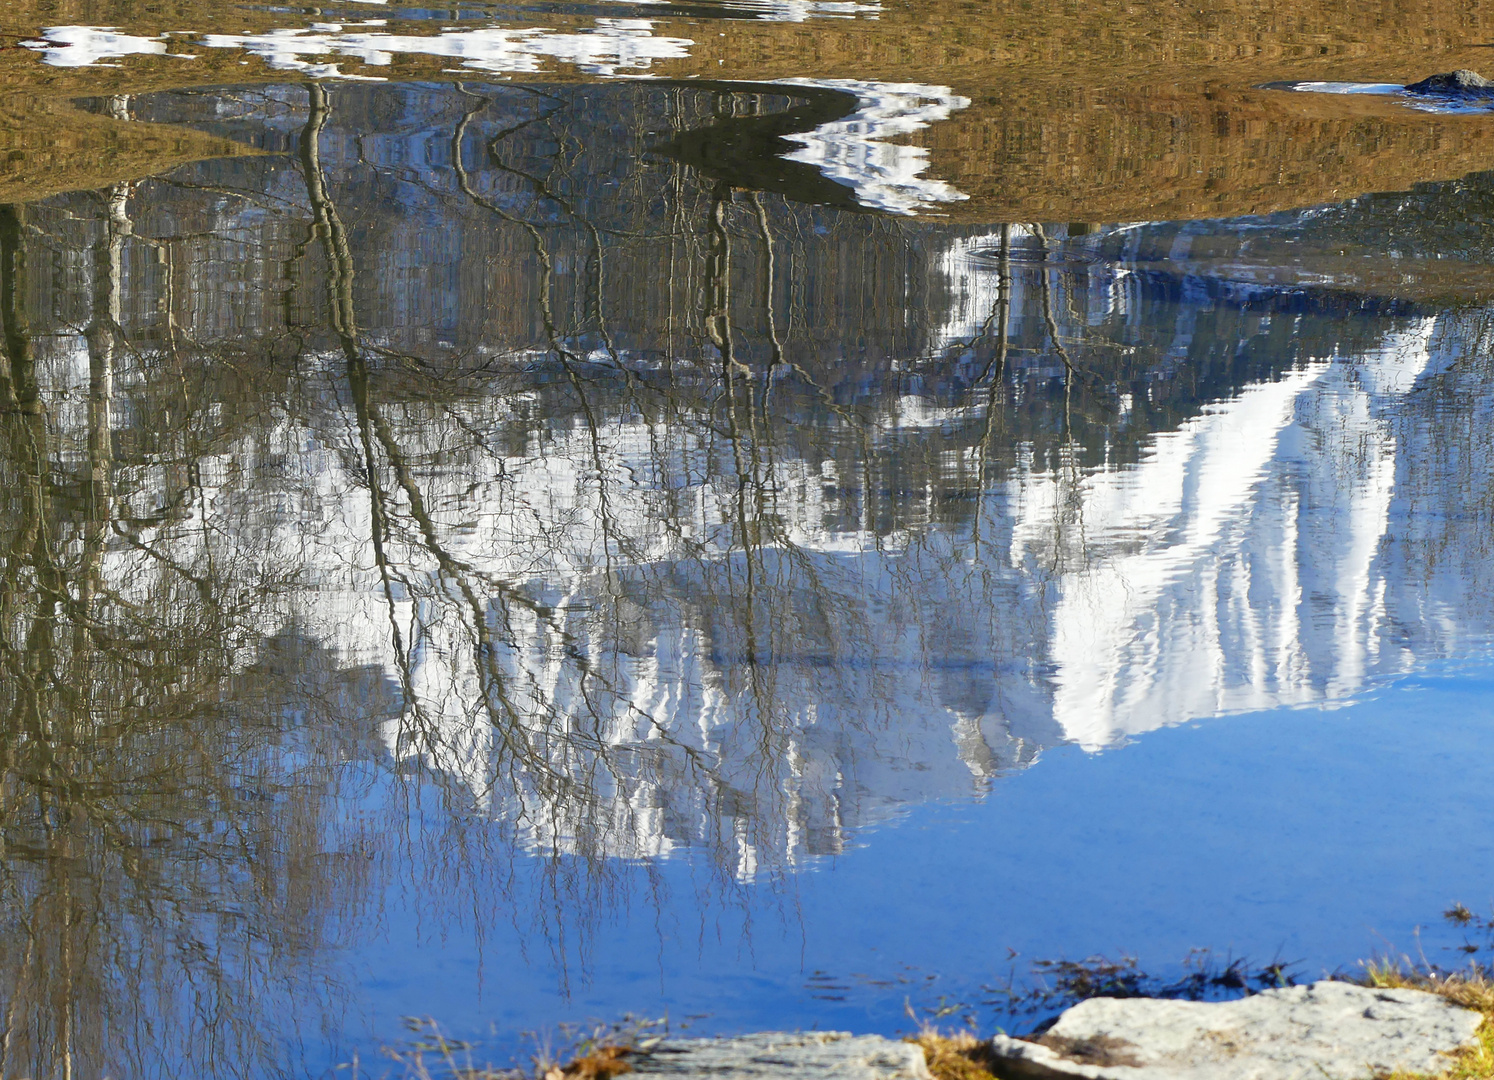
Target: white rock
831	1055
1326	1031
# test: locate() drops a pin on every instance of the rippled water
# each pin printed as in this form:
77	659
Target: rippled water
782	514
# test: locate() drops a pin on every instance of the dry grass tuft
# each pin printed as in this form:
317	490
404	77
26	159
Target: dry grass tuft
961	1055
598	1054
602	1063
1472	989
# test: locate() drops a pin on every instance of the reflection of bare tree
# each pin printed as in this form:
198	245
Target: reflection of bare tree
719	571
158	866
537	709
755	595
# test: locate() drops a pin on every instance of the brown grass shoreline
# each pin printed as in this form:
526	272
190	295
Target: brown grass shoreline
1149	111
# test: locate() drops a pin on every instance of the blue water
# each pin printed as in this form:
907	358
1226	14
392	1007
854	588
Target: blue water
480	558
1320	837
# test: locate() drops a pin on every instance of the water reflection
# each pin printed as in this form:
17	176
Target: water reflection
473	436
1031	113
171	860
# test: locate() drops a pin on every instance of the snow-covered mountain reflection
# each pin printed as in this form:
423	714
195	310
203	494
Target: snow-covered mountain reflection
1238	566
631	633
1235	567
701	574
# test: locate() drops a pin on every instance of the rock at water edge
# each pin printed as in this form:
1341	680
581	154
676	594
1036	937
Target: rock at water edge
829	1055
1326	1031
1460	82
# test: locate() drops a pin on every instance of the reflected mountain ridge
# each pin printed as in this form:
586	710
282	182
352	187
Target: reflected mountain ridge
466	436
580	509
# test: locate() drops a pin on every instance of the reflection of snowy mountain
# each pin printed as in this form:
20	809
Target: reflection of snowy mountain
583	614
590	645
630	608
1235	567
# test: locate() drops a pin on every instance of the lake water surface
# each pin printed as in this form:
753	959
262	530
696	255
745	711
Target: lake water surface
779	513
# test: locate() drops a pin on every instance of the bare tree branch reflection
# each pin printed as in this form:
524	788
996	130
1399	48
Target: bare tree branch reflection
465	482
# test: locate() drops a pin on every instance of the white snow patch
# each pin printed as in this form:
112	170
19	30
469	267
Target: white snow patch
802	10
87	46
1345	88
612	46
885	176
1432	103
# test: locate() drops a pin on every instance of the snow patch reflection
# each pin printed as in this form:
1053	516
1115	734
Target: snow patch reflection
852	151
90	46
612	46
803	10
1422	102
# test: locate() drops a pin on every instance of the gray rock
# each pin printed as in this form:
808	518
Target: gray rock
1327	1031
830	1055
1460	83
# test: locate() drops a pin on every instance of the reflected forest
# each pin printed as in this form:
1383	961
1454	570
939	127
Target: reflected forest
547	484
